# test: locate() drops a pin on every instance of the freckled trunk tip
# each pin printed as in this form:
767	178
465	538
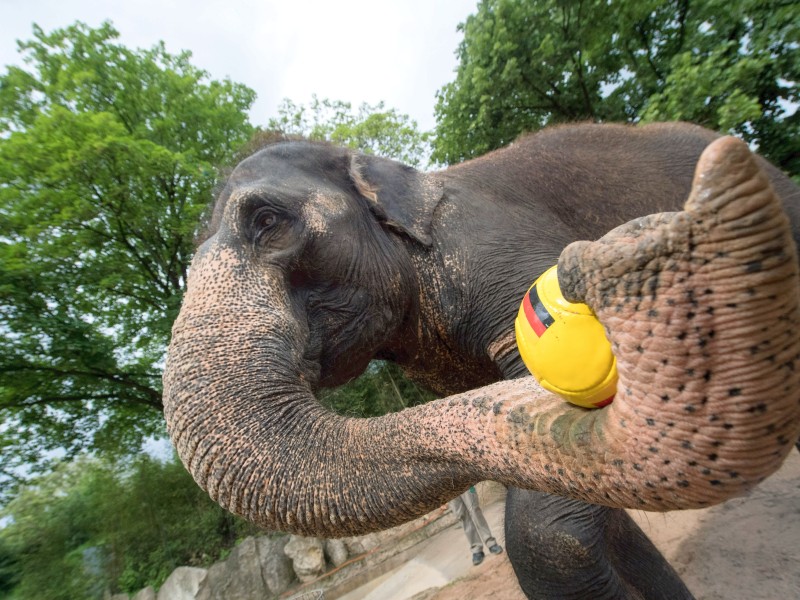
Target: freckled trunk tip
701	308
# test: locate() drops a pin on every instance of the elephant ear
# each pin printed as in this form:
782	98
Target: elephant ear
399	195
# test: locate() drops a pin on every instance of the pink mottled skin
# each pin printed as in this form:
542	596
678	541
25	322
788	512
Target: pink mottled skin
701	307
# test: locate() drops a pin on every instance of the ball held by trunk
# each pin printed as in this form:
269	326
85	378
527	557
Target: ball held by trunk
564	345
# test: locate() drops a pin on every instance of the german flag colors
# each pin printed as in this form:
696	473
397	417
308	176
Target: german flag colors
564	345
535	312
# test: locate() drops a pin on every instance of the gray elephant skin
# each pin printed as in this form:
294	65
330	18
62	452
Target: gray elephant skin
318	260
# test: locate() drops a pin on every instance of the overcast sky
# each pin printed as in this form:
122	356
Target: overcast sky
397	51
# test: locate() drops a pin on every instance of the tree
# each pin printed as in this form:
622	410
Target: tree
107	161
96	525
740	73
47	533
372	129
732	66
9	569
522	65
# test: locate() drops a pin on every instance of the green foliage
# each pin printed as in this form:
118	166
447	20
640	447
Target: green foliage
92	526
381	389
370	129
738	72
9	569
107	160
48	535
523	65
731	65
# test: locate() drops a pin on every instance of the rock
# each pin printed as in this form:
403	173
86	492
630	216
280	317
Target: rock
214	584
336	551
308	557
276	567
236	578
256	568
118	597
147	593
357	546
182	584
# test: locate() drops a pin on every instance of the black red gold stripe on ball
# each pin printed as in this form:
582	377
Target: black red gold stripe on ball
538	316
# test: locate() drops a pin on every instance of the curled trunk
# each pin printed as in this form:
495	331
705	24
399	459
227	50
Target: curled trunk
701	308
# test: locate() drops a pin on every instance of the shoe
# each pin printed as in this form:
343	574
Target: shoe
477	558
496	549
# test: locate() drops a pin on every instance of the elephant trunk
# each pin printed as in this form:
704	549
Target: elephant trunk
702	311
242	415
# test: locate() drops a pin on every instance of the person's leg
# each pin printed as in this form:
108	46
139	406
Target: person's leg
460	508
479	524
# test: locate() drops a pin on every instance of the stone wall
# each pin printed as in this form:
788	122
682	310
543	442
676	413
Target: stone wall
267	567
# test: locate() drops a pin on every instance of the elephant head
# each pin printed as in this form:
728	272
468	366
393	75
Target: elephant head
308	273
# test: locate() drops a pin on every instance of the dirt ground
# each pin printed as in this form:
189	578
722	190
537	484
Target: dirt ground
747	548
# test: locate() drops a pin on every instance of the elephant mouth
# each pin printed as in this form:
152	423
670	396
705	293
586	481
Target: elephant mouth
345	343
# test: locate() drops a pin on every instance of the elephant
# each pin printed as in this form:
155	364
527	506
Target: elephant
318	259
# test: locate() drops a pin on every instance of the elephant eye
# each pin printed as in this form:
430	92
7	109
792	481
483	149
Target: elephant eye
264	220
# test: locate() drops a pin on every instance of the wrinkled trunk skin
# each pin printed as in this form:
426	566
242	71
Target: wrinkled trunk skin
702	311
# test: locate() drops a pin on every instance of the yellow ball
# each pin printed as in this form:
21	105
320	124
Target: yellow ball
564	345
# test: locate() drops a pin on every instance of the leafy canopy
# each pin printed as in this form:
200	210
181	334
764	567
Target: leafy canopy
372	129
107	160
731	65
381	389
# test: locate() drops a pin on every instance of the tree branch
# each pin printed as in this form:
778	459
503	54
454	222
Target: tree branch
587	102
119	378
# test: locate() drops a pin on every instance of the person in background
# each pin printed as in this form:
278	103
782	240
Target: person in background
467	508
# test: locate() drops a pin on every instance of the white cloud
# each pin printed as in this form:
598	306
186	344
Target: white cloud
396	51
